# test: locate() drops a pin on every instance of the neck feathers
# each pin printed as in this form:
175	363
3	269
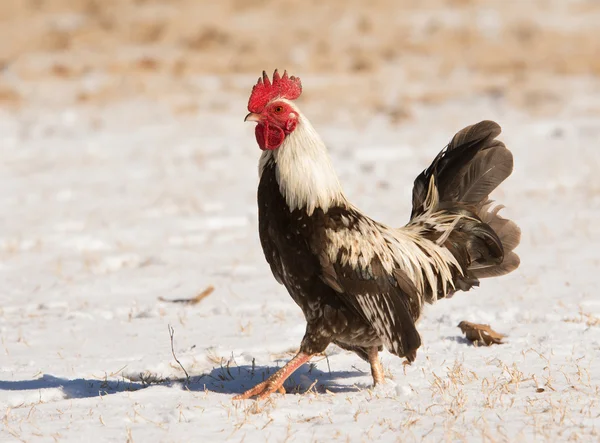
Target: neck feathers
304	171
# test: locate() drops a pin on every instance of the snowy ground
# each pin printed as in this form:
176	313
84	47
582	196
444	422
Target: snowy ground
107	210
127	178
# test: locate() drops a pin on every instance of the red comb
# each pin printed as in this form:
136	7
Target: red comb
264	91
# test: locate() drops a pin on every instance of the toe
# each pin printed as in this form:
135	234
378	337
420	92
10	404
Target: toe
270	389
258	389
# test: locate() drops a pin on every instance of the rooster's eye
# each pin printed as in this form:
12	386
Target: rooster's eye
278	109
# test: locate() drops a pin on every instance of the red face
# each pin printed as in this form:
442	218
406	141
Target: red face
275	122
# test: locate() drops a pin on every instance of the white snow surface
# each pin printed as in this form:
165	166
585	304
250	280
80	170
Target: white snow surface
104	210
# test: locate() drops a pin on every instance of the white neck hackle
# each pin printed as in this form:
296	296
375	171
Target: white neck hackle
304	171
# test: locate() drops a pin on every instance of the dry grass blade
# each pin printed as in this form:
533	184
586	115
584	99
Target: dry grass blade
191	301
172	334
481	334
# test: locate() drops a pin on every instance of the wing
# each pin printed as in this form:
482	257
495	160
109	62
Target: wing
352	263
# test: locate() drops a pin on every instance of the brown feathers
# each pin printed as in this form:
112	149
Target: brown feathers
510	263
474	183
475	164
509	234
507	230
484	130
361	284
458	175
465	173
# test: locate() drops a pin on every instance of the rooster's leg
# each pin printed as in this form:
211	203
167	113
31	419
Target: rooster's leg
376	368
275	381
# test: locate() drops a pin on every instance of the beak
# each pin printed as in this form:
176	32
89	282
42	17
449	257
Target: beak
252	117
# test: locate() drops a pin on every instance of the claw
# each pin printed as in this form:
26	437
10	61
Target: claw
262	390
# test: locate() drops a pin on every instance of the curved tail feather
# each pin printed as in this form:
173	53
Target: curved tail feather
454	191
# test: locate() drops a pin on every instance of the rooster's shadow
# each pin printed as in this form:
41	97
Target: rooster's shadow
238	379
222	380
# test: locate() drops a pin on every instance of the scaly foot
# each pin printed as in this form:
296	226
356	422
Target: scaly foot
275	382
376	368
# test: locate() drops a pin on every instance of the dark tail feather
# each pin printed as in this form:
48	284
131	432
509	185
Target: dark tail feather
509	234
464	174
467	170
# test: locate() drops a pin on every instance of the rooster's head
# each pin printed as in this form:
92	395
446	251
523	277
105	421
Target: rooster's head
270	108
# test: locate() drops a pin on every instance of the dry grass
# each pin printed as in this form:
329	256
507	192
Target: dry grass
585	318
226	36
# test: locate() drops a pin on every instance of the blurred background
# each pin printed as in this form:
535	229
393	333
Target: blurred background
386	55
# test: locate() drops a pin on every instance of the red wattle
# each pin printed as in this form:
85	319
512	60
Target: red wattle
269	137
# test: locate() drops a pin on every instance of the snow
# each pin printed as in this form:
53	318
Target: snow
103	219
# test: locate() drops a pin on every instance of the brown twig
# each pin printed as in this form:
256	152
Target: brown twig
191	301
172	334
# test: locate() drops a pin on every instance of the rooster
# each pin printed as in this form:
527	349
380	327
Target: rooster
361	284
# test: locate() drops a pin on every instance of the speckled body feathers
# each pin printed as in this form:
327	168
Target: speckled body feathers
359	283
